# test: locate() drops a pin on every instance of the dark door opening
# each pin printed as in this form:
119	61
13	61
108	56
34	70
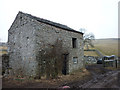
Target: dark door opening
64	68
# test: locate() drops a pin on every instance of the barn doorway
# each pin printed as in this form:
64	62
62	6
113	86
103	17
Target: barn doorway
65	64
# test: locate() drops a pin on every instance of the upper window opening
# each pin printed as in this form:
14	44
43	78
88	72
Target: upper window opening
74	42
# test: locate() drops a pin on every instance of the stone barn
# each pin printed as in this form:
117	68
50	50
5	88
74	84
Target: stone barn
30	38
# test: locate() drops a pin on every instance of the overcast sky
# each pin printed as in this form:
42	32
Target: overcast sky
97	16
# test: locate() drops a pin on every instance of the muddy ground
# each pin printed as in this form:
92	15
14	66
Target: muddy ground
97	77
101	78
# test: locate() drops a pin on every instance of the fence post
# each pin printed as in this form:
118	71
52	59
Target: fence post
116	63
103	62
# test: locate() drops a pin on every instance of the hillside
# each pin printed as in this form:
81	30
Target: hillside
107	46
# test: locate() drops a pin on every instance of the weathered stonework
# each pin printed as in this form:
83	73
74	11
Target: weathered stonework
28	35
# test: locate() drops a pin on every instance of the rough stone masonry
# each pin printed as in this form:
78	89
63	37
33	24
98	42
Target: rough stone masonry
29	34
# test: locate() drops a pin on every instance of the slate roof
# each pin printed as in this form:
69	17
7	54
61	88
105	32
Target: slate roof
58	25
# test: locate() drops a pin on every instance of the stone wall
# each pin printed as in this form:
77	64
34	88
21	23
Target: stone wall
28	36
47	35
22	46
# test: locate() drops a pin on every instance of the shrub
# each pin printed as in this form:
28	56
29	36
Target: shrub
50	61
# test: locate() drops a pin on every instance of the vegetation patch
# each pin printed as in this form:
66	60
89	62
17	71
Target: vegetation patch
77	75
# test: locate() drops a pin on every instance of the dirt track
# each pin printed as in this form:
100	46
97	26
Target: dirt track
108	80
101	78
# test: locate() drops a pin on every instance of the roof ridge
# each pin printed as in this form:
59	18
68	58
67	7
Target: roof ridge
51	23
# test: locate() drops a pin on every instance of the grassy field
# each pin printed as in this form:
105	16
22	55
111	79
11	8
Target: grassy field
90	53
107	46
